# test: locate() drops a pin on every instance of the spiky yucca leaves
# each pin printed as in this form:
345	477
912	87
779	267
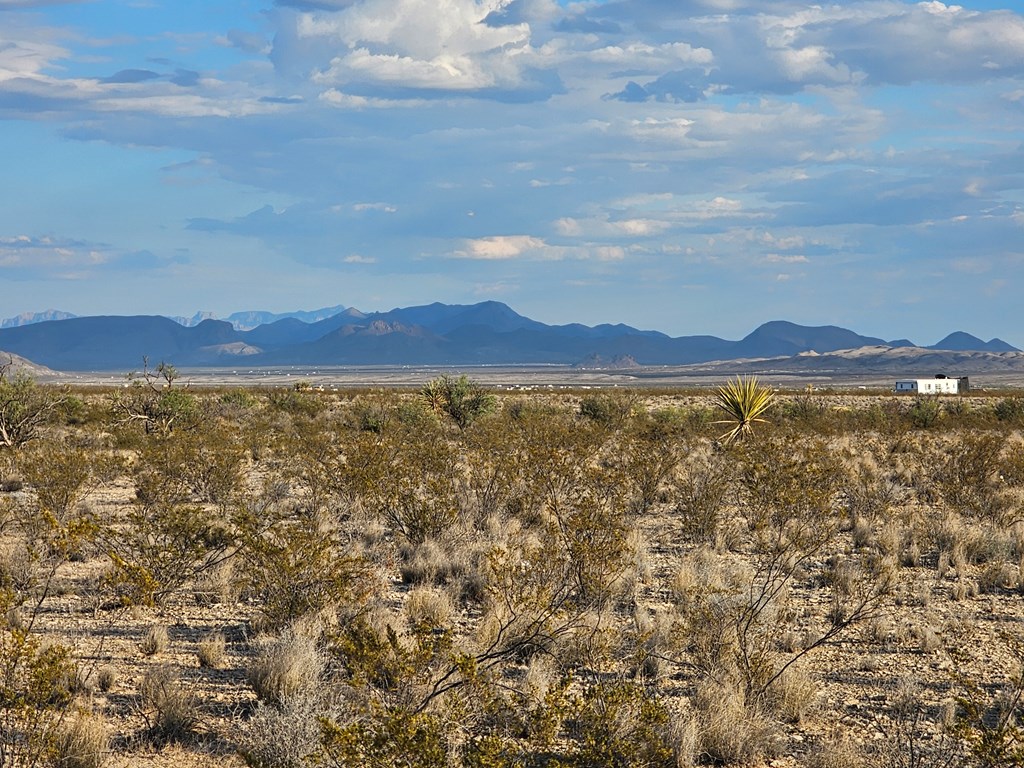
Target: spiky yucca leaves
744	400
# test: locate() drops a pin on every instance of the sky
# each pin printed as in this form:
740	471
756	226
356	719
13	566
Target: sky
688	166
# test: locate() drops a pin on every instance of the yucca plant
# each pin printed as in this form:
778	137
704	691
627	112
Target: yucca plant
744	400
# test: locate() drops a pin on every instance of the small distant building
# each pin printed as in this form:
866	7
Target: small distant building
939	385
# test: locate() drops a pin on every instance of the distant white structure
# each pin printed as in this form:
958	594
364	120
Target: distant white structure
940	385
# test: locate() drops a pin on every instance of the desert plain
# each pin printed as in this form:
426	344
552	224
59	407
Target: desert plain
542	568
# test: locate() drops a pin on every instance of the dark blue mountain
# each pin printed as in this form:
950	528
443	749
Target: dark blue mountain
486	333
965	342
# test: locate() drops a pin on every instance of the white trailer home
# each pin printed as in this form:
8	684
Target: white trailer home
940	385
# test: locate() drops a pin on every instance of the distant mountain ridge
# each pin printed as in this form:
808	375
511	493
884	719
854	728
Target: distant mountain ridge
965	342
488	332
28	318
249	319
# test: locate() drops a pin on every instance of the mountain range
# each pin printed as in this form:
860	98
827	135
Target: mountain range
241	321
488	333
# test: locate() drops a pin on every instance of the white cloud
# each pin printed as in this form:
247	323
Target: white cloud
494	289
525	247
669	130
616	228
382	207
47	257
26	53
501	247
420	44
972	265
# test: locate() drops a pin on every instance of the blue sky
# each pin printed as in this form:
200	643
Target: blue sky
693	166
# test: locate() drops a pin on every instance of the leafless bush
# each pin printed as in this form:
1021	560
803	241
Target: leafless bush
284	735
910	739
968	477
700	490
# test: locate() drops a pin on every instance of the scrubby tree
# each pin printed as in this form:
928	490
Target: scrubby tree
24	406
151	399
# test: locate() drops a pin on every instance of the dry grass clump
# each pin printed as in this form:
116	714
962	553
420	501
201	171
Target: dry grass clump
997	577
683	735
431	562
82	743
655	642
429	607
837	751
169	707
289	664
793	694
862	533
704	570
964	589
218	586
157	640
730	732
106	678
212	650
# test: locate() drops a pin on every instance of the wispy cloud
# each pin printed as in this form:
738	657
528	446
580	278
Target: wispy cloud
23	257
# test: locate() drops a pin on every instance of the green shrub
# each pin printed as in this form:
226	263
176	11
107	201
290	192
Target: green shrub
618	724
461	399
925	412
25	407
609	409
1010	410
387	736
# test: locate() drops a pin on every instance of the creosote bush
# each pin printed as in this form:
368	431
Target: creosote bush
25	406
461	399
